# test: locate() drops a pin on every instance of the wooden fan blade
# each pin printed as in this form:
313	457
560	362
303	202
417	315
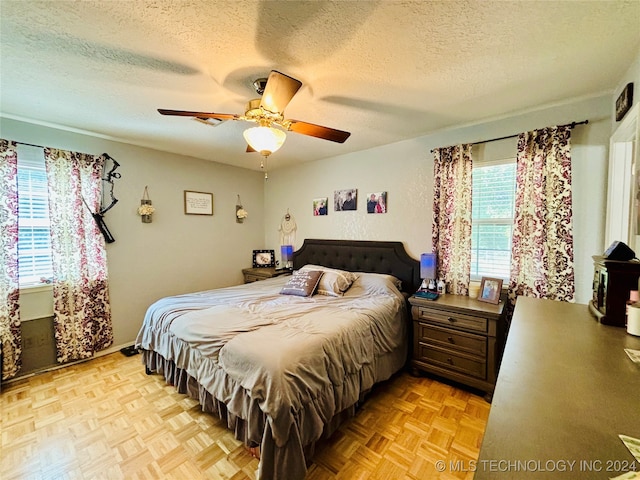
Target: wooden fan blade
202	115
250	149
319	131
279	91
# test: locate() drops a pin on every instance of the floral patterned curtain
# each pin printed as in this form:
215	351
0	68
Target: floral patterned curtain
451	230
10	334
542	251
82	314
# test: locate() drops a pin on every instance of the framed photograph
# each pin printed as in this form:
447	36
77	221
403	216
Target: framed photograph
377	202
345	200
198	203
490	289
624	101
264	258
320	206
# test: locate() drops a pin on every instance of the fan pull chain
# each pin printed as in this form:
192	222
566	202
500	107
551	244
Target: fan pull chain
263	165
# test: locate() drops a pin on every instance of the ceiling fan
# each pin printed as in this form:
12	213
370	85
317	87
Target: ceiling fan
268	112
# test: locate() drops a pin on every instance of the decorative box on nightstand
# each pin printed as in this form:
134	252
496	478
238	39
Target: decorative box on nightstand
257	274
458	338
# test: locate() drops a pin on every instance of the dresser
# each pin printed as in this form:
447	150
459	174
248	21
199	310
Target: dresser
257	274
566	390
612	282
458	338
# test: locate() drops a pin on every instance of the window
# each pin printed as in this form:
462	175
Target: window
34	235
492	218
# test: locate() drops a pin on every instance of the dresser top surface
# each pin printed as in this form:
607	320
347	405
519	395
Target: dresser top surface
566	390
459	302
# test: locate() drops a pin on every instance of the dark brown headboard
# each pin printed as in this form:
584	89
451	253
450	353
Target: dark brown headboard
362	256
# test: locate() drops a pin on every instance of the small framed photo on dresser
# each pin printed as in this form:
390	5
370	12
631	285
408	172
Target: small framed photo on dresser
490	289
264	259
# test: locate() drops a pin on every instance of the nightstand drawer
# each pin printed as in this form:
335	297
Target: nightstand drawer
453	319
451	339
248	278
452	361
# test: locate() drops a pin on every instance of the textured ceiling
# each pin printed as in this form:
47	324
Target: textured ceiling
383	70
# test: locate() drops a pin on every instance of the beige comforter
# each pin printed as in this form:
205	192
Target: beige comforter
299	360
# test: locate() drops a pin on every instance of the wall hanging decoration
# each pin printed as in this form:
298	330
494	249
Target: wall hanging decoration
377	202
241	213
288	229
320	206
345	199
198	203
145	210
624	101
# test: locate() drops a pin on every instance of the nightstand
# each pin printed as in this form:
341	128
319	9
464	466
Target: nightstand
458	338
257	274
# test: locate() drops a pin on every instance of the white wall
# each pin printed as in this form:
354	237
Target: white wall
176	253
405	171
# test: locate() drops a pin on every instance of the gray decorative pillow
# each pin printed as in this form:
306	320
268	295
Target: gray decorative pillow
302	283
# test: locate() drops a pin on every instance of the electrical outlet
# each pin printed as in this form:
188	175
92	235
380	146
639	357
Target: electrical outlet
28	342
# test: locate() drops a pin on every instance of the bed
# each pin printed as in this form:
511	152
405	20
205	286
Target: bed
284	371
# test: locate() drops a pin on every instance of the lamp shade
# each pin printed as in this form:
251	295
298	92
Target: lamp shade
428	265
286	252
265	140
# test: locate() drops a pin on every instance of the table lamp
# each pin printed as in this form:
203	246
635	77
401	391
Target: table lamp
427	269
286	252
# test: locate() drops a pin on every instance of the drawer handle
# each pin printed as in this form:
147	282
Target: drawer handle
451	340
450	361
451	319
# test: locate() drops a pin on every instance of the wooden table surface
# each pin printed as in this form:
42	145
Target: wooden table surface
565	390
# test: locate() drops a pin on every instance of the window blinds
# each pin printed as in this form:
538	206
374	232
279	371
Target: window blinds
492	219
34	236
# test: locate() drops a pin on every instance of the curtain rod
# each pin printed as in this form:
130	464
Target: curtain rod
41	146
29	144
572	125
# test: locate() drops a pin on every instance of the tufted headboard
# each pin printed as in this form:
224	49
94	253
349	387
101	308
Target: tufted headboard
362	256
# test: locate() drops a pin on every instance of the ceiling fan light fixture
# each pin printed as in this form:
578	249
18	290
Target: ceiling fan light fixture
265	140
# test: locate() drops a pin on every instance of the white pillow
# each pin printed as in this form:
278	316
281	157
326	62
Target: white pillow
333	282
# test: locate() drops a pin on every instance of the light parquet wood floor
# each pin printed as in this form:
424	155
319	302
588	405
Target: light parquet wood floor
107	419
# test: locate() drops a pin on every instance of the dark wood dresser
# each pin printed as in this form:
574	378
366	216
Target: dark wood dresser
458	338
612	282
566	390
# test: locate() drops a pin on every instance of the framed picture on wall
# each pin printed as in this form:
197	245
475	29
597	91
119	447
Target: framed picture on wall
624	101
198	203
320	206
377	202
345	199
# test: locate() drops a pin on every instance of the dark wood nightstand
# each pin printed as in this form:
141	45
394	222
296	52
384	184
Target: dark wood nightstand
257	274
458	338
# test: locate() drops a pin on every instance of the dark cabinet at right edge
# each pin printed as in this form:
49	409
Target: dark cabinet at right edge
612	282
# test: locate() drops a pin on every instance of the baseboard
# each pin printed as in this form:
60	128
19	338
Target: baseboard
101	353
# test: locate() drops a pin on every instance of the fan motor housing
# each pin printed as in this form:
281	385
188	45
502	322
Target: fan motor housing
260	84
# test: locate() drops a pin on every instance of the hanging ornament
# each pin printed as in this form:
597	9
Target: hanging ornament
145	210
241	213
